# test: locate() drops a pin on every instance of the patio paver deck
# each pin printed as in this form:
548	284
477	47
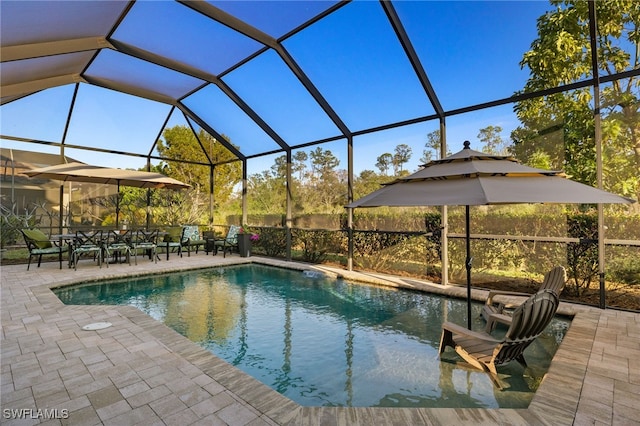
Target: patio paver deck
141	372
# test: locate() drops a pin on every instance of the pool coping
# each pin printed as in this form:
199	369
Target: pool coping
586	374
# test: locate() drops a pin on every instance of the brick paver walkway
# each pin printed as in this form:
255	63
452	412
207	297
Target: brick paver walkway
140	372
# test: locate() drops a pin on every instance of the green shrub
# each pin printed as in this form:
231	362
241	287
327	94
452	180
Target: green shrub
272	241
381	250
624	270
316	244
582	257
11	223
433	224
9	230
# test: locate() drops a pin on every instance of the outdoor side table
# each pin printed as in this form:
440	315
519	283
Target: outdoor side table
210	246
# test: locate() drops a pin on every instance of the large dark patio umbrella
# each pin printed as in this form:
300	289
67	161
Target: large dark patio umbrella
80	172
472	178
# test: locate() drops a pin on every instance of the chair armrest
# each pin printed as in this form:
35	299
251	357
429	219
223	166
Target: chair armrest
56	242
457	329
501	318
493	293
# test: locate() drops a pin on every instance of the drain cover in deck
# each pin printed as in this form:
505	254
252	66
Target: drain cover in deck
97	326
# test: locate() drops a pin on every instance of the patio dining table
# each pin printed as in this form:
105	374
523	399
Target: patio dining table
68	239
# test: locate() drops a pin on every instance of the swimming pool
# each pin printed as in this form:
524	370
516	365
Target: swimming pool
322	341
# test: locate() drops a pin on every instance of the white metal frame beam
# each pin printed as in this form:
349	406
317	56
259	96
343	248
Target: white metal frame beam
50	48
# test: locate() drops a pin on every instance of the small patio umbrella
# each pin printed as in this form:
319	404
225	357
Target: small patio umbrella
80	172
470	178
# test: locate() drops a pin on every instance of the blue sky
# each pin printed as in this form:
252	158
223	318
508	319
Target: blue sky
470	50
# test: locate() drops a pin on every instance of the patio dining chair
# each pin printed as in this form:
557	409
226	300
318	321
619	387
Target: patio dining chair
117	243
39	244
495	312
147	241
171	240
84	243
485	352
191	238
230	242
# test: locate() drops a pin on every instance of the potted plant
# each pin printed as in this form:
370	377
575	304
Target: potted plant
245	240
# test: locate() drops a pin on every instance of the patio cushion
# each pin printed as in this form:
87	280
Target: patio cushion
191	233
48	250
38	237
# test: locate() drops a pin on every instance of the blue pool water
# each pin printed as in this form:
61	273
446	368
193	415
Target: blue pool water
326	342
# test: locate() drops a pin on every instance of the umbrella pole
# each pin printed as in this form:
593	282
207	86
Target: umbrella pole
61	223
118	205
468	267
148	208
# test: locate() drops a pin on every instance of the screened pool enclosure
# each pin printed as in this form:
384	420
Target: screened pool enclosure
261	85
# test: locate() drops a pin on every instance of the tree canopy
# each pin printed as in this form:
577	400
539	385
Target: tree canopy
560	128
180	143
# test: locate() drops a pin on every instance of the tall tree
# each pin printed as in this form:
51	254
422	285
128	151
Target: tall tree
366	182
492	140
401	157
180	143
325	191
431	149
383	162
279	169
323	162
299	163
266	193
561	126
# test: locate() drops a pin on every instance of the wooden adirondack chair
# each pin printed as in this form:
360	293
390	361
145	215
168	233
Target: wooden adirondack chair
485	352
496	312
